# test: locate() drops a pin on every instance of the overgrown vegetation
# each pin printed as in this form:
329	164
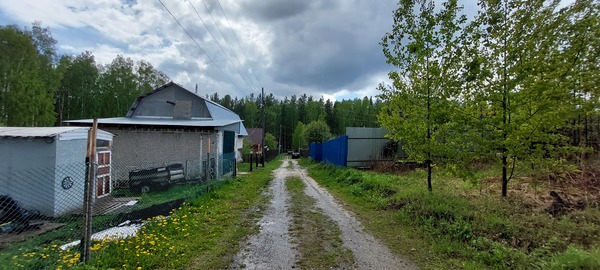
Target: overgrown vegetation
202	234
319	243
461	225
513	84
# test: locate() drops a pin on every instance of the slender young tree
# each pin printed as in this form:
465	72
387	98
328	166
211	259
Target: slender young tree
513	79
422	46
298	138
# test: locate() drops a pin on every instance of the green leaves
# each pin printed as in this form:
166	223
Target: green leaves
299	138
420	99
512	85
89	90
27	79
317	132
38	88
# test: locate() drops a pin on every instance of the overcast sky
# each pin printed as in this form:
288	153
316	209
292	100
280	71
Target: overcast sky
322	48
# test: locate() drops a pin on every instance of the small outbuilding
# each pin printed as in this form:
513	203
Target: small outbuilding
43	168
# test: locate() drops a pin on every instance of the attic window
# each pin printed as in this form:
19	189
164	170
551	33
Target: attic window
182	109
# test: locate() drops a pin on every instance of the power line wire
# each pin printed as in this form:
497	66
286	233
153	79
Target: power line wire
238	42
200	47
227	42
219	44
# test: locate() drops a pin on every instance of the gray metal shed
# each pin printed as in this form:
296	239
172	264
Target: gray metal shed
43	168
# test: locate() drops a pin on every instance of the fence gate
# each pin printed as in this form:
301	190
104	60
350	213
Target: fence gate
103	182
228	151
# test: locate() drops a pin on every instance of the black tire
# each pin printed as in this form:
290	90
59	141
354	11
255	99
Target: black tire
145	188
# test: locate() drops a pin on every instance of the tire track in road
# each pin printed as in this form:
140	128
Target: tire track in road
368	252
272	247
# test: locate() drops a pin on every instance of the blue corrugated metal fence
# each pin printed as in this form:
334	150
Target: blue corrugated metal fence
315	151
334	151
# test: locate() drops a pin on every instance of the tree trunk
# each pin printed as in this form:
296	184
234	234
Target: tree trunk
504	174
428	129
429	176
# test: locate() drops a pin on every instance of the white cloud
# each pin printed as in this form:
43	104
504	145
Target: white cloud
322	48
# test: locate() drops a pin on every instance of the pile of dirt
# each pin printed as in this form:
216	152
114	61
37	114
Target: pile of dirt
574	191
557	195
588	180
391	167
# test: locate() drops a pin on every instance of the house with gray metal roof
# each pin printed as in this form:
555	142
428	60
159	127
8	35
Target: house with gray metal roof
174	125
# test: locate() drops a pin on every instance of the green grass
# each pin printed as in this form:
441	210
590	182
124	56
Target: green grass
71	231
319	243
179	191
453	228
203	234
244	167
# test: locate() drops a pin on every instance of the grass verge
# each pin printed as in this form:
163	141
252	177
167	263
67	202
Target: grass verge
453	229
318	238
71	231
202	234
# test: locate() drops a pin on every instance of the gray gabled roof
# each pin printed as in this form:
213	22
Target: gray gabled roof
243	131
217	111
219	118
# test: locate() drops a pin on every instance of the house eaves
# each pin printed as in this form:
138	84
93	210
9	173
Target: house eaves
156	121
61	133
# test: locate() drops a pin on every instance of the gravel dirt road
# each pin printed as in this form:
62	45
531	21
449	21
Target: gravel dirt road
274	248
